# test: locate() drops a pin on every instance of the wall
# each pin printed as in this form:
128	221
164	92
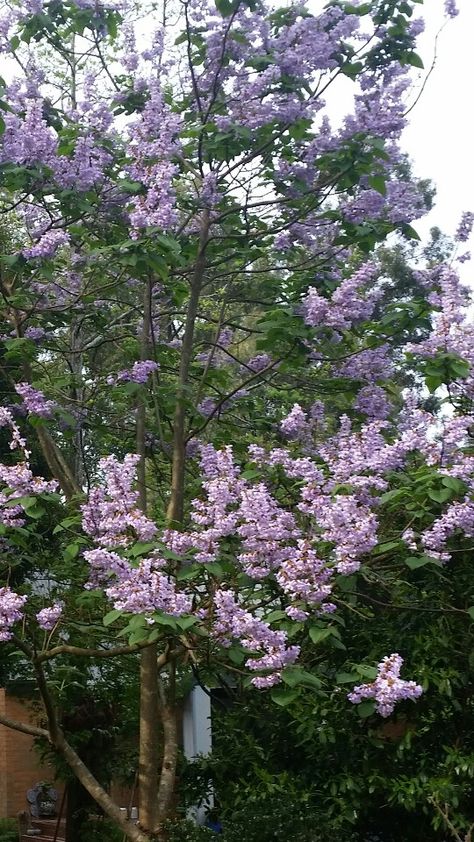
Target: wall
20	768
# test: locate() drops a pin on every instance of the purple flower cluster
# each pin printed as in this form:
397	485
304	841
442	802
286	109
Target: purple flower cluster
235	623
48	617
28	140
388	688
139	373
259	362
11	605
111	515
353	301
306	579
47	245
371	364
295	425
265	530
36	334
373	402
18	480
146	589
35	401
457	517
464	228
153	145
450	8
453	329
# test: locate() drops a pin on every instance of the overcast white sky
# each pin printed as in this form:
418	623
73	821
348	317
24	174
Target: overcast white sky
440	137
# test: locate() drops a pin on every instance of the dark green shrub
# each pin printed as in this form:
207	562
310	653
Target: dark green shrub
8	830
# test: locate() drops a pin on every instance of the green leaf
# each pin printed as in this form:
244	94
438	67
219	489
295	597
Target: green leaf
388	545
454	484
394	494
352	69
35	512
366	708
276	615
293	676
165	620
139	635
252	473
284	696
111	616
378	184
413	59
141	549
111	24
236	654
413	562
189	571
186	622
410	232
347	678
226	7
317	635
71	551
470	611
440	496
215	568
366	671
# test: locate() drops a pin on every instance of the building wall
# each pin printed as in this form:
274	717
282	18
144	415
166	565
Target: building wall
3	760
20	768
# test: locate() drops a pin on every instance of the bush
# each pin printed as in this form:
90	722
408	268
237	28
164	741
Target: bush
100	829
186	831
8	830
273	820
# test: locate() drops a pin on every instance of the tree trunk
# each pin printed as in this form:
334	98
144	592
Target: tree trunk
176	502
166	791
77	395
149	749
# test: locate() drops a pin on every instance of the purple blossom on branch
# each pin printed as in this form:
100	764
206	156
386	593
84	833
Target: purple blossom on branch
112	516
388	688
139	373
451	9
464	228
235	623
35	401
47	245
48	617
11	605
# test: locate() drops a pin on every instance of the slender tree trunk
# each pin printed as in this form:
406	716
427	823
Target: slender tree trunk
77	394
176	502
149	749
156	801
166	791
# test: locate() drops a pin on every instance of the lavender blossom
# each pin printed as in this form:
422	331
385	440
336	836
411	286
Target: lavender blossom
35	401
388	688
48	617
11	605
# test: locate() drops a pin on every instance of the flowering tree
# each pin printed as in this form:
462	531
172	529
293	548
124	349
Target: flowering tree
191	263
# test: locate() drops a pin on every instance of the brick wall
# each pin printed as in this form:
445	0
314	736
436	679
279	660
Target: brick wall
3	760
20	768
